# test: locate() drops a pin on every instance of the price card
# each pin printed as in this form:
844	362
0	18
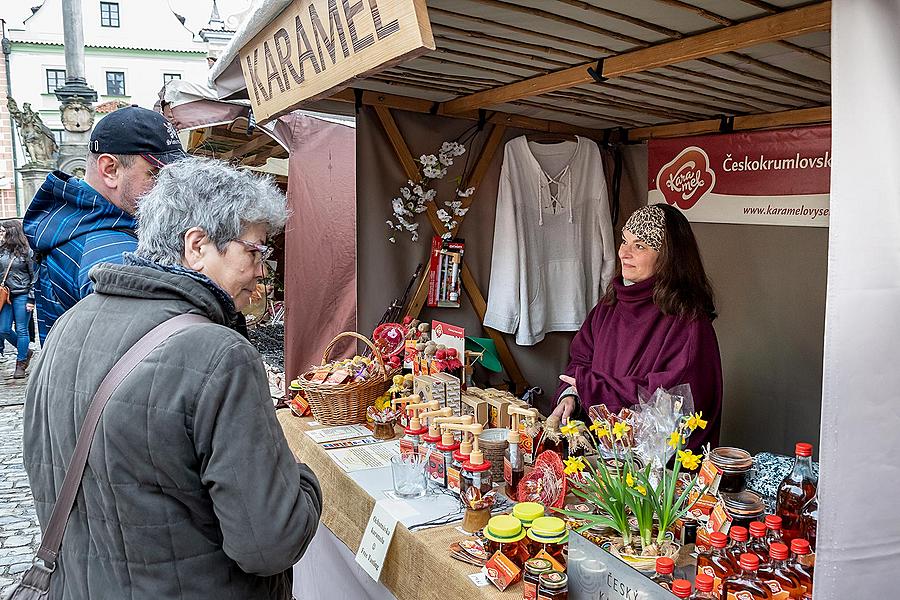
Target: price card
376	540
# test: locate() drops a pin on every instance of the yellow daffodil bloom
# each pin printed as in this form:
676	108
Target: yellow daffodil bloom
620	429
696	420
574	465
600	429
642	490
569	428
689	460
675	439
629	480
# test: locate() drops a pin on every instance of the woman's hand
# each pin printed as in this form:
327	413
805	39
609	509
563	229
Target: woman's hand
29	307
567	404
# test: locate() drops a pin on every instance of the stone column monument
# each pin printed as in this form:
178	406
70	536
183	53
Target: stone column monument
76	96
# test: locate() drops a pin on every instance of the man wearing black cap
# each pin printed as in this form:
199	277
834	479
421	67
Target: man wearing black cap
73	224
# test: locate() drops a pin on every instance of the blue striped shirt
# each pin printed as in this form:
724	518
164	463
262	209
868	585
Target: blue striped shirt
71	227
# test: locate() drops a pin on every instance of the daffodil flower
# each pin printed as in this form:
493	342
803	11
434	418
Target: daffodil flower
600	429
642	490
695	421
689	460
574	465
629	480
620	429
675	439
569	429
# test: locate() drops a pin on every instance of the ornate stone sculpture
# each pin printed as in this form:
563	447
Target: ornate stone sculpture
36	137
77	115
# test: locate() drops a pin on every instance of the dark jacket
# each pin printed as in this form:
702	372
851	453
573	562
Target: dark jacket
22	274
72	227
190	490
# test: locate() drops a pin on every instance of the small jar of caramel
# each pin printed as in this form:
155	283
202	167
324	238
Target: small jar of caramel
549	534
530	581
734	464
506	534
553	586
744	507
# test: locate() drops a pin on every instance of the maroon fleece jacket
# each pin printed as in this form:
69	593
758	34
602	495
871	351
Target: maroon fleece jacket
632	345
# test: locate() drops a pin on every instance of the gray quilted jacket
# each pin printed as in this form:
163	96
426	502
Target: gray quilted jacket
190	490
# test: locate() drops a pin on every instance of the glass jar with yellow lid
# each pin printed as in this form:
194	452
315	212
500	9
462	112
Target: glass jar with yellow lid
506	534
549	534
527	512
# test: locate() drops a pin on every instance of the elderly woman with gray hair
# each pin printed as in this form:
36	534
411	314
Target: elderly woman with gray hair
190	490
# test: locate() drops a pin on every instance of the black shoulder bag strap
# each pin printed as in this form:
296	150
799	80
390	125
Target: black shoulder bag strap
35	582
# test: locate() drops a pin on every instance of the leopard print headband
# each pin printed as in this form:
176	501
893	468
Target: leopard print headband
648	223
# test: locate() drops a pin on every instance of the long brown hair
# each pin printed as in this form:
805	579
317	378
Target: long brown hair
15	242
682	288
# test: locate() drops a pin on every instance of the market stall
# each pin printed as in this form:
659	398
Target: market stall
503	69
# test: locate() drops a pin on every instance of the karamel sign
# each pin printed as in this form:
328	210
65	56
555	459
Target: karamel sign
314	48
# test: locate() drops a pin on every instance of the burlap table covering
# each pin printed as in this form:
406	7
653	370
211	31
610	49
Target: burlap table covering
418	565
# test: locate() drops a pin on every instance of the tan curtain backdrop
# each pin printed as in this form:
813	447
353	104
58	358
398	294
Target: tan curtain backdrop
320	239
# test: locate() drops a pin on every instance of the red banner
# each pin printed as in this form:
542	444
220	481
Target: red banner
779	177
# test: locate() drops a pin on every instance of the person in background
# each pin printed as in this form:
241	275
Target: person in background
190	490
17	264
74	224
652	328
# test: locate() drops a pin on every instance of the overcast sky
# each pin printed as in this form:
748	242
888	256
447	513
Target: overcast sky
196	12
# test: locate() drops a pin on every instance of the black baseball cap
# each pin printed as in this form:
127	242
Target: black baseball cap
136	130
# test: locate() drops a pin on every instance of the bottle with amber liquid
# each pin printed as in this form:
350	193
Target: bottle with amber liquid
716	563
802	564
809	521
782	582
740	538
758	543
795	491
773	527
665	567
681	588
704	591
746	584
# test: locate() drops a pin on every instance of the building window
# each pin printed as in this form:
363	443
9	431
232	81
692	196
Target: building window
109	14
115	83
167	77
56	78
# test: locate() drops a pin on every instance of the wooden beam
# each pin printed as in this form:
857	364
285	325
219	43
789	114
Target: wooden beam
480	169
787	118
253	145
808	19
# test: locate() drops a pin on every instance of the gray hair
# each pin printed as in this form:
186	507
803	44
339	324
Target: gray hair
210	194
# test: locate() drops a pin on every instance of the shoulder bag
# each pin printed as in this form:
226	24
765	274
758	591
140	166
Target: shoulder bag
35	583
4	291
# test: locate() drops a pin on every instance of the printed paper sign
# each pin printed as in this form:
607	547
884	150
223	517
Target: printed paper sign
376	540
359	458
333	434
780	177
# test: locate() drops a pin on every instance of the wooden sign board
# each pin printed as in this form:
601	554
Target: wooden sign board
315	48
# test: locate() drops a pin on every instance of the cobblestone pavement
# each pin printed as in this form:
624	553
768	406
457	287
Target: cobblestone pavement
19	531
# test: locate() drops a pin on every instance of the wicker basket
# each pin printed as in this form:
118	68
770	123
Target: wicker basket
493	443
346	403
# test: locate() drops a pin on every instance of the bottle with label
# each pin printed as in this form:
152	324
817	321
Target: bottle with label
432	437
809	521
773	529
795	491
704	591
745	584
552	438
802	564
553	586
513	461
409	443
681	588
530	581
475	479
739	537
758	543
665	567
782	582
716	563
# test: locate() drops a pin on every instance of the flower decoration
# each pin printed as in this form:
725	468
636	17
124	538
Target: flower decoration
688	459
675	439
574	465
600	429
696	421
570	428
620	429
415	197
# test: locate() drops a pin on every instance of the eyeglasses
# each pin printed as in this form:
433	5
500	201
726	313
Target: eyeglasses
260	251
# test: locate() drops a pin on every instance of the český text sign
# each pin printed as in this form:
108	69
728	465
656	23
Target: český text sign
315	48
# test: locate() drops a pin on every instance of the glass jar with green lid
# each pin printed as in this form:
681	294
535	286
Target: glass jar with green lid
526	512
530	581
506	534
548	534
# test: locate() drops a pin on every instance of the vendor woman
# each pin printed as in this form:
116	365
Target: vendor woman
652	328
